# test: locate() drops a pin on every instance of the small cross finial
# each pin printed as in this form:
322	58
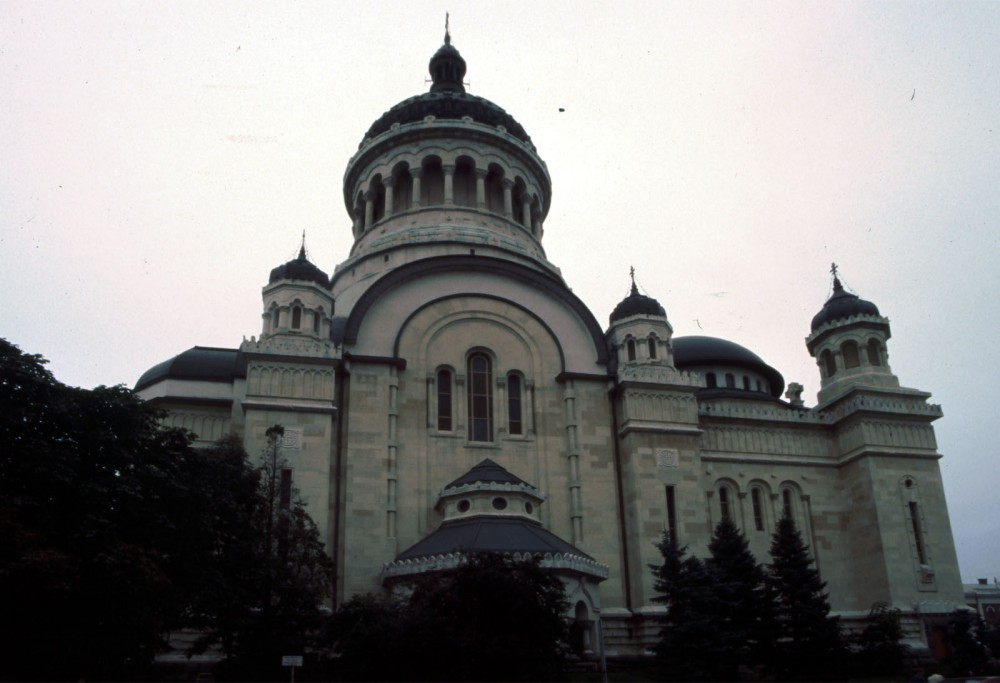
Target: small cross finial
833	269
631	272
447	35
302	249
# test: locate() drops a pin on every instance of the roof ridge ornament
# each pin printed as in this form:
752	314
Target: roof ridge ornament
447	66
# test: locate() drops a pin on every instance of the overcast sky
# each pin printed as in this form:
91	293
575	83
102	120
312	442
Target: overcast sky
157	159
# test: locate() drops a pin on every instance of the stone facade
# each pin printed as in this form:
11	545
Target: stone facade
446	338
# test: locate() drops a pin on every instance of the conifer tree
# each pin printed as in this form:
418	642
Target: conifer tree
689	647
809	646
745	624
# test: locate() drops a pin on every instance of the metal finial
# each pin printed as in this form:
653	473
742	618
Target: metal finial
447	35
631	273
833	269
302	249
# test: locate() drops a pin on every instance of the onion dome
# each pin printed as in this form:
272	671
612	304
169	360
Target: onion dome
300	268
448	100
198	364
842	305
637	304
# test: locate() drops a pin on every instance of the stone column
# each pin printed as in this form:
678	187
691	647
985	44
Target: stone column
369	208
508	202
416	173
481	188
526	210
389	185
503	423
449	184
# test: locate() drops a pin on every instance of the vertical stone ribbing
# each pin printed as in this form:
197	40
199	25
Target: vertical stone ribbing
573	455
390	522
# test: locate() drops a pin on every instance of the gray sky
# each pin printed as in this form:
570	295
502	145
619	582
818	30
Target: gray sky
157	159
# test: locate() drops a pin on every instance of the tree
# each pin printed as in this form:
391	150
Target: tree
966	653
880	644
115	531
809	646
88	485
490	618
689	647
276	574
746	618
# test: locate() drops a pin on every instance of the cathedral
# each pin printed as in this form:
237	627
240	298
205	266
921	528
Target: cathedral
443	391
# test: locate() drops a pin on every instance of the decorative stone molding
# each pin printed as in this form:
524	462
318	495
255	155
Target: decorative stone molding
291	345
661	374
431	563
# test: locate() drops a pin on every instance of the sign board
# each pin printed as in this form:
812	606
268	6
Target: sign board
291	660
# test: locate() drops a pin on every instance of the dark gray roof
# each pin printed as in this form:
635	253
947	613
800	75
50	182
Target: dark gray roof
200	363
486	472
637	304
842	305
300	268
694	351
506	534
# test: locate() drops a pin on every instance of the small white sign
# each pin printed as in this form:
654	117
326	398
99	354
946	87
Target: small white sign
291	660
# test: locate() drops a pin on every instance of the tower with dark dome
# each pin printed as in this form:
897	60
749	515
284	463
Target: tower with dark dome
444	364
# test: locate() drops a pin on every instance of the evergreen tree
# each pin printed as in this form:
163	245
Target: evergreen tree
746	620
808	645
967	655
880	643
689	647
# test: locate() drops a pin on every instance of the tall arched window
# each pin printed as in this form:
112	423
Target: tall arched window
464	183
710	380
786	504
515	424
730	381
444	400
758	509
874	352
316	319
724	502
480	398
432	184
850	353
652	347
829	363
296	318
630	349
274	319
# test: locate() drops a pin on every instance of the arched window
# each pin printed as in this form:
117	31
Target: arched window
378	199
464	183
316	319
850	353
724	503
274	319
710	380
652	347
514	404
296	318
402	193
829	363
444	400
746	383
786	504
630	349
730	381
494	189
874	352
480	398
432	184
758	509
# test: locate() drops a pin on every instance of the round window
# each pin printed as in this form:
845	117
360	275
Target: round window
499	503
463	506
529	508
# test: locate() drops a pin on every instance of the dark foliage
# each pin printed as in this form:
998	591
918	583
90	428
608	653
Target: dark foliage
490	618
114	531
880	650
690	648
746	616
808	643
966	653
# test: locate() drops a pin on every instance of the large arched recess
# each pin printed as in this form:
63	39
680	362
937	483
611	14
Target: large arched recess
375	320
